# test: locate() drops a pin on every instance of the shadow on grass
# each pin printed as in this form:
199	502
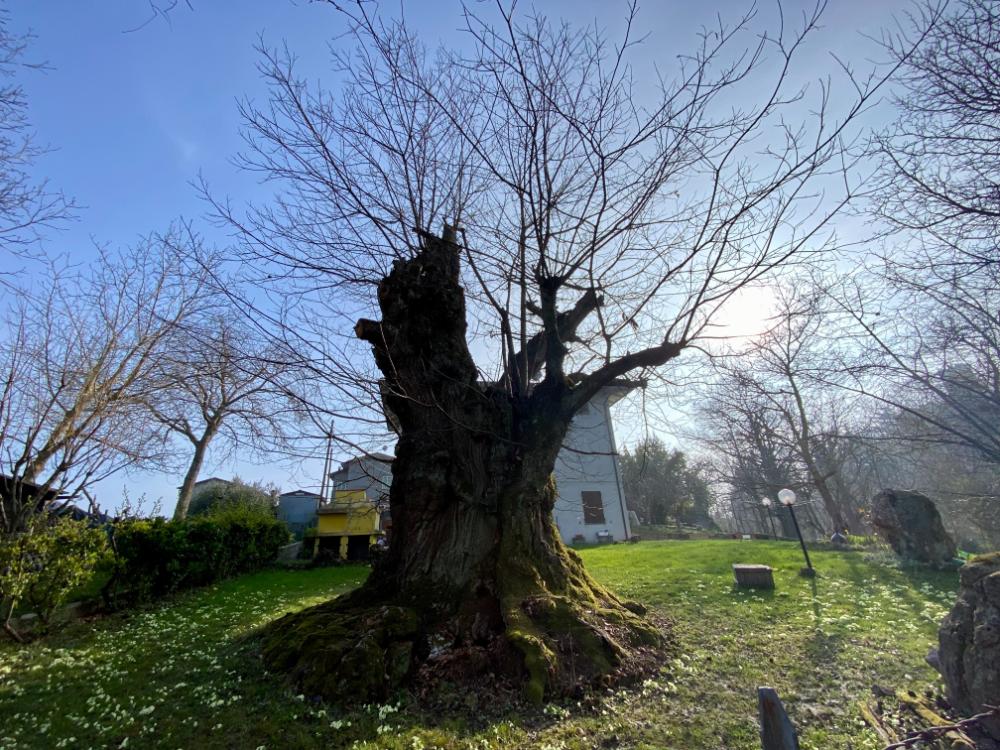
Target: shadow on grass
906	580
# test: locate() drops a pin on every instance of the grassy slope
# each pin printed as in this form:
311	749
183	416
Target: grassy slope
180	676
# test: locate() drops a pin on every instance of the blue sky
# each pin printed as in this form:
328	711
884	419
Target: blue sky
134	117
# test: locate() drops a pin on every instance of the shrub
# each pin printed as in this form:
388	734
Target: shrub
156	557
44	563
308	543
236	494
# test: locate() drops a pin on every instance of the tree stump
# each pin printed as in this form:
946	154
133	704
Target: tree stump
754	576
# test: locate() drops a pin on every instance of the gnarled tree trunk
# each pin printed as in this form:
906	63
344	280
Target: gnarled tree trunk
476	578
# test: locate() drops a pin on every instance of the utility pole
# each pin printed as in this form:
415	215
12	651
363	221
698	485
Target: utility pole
325	484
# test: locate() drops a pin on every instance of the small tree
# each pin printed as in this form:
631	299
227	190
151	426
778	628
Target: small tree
749	451
221	386
793	373
44	563
78	360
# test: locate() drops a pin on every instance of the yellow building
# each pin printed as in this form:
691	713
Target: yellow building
350	524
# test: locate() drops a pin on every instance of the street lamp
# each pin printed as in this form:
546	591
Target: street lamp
787	498
766	502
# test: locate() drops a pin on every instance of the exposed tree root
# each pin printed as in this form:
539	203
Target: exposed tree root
575	633
547	646
343	651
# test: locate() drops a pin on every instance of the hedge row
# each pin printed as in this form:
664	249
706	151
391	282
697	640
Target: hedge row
154	558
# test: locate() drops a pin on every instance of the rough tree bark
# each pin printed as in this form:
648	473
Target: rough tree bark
476	579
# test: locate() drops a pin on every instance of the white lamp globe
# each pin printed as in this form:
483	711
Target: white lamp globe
786	497
766	502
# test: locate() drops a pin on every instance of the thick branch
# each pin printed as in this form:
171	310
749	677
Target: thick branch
653	356
566	323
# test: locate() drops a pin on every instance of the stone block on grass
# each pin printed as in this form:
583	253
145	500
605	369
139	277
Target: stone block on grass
754	576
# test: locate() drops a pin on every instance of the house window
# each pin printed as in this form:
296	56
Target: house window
593	507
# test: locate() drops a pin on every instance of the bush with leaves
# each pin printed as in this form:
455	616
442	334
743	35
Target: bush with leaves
154	558
236	493
43	564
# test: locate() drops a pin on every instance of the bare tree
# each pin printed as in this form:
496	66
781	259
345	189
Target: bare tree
751	453
942	157
592	227
78	359
932	313
26	205
220	384
793	371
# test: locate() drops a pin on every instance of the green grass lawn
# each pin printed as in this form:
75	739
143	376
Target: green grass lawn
182	675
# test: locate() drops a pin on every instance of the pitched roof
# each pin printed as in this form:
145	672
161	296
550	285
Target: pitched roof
212	479
381	457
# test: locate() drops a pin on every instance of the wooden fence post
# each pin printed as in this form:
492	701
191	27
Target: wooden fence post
776	730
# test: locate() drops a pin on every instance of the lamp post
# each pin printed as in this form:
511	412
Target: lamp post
766	502
787	498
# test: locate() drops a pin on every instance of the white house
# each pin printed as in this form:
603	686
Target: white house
591	502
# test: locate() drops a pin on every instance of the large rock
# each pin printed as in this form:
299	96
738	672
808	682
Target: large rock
912	526
969	640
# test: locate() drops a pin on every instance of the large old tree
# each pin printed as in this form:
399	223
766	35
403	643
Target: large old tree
537	216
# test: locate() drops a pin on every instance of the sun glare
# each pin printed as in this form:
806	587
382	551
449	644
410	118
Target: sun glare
745	315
